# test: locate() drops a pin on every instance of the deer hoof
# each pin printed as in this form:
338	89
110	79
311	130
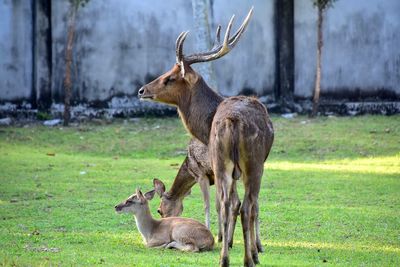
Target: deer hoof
260	247
219	237
224	262
249	263
255	258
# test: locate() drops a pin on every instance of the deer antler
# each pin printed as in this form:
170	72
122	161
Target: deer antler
218	50
179	46
217	40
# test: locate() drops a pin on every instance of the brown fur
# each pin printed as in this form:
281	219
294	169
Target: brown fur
174	232
195	168
239	135
198	116
237	130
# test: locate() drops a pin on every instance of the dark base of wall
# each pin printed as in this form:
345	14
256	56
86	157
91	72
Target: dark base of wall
361	108
118	108
338	107
353	108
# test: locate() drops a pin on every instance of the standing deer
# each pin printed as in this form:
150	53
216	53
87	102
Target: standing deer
237	130
174	232
195	168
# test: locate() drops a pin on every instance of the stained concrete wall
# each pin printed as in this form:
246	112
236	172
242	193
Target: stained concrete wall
361	55
119	47
42	53
251	65
123	44
15	50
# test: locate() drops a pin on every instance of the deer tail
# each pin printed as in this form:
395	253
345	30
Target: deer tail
234	149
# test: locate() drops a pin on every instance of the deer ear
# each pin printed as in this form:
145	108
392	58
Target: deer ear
159	186
190	77
149	195
140	195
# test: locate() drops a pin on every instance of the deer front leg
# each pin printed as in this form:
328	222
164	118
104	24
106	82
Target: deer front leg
205	189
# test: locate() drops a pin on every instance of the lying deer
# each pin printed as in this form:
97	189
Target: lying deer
174	232
195	168
237	131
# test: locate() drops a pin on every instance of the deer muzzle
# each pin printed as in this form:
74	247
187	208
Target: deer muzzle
118	208
143	94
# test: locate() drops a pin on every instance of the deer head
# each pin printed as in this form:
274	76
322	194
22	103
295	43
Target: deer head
135	202
176	85
168	207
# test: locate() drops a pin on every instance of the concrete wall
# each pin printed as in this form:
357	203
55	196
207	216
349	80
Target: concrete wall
361	55
118	46
251	65
121	47
15	50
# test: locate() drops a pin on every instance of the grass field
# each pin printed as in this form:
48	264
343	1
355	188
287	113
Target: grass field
330	193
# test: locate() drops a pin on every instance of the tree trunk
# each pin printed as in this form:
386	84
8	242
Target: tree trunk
203	38
68	63
317	89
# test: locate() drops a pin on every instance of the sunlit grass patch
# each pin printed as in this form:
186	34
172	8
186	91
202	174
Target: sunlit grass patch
377	165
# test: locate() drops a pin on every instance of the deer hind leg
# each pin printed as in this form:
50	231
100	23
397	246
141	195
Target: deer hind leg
224	183
260	247
254	249
205	189
183	247
234	213
245	213
252	181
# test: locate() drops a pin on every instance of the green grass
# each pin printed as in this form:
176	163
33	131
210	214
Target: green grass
330	193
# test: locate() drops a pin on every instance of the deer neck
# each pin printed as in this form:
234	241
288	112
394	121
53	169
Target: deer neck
145	222
197	109
183	182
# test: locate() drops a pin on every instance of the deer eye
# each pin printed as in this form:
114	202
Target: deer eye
169	80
